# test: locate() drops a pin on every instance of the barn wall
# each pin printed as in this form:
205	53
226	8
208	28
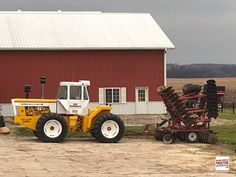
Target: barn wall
128	68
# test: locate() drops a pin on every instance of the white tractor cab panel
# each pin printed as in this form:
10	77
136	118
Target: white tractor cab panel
73	98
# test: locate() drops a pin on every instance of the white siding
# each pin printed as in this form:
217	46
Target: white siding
154	107
123	94
101	95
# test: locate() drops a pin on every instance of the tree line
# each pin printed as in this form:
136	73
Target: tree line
200	70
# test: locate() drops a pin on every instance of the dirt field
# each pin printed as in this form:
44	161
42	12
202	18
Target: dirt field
228	82
27	157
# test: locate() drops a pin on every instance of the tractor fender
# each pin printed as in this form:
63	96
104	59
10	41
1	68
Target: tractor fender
94	113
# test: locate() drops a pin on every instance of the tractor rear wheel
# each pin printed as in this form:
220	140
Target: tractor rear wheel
108	128
36	134
51	128
93	135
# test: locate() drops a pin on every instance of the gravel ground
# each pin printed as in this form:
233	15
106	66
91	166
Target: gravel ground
28	157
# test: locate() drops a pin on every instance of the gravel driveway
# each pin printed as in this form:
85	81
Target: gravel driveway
28	157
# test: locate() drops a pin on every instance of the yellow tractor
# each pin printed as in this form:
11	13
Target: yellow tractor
51	119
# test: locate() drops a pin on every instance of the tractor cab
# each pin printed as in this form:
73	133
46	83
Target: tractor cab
73	98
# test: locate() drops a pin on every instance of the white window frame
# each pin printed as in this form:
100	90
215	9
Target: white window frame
122	95
112	94
146	89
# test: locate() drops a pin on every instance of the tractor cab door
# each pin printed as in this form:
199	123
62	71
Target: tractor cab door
73	100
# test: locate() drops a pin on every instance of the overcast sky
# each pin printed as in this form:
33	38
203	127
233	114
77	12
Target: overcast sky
203	31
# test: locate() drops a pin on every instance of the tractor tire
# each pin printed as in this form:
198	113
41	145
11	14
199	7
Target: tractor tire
35	134
190	88
108	128
191	137
51	128
93	134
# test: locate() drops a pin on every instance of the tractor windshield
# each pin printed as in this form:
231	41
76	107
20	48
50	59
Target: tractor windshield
75	92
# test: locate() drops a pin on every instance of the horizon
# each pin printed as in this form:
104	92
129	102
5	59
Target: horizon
201	64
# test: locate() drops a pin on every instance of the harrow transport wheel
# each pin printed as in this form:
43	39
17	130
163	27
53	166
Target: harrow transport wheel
168	138
219	105
108	128
181	136
158	136
51	128
191	137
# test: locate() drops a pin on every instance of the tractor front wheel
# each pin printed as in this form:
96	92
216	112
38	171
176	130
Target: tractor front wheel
108	128
51	128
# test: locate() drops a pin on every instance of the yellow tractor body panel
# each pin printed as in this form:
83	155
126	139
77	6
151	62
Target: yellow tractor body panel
87	121
27	121
72	122
28	111
22	100
28	117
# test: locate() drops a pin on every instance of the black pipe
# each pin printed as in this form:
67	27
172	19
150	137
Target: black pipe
42	82
233	107
27	90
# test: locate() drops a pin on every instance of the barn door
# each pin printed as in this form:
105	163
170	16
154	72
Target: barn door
141	100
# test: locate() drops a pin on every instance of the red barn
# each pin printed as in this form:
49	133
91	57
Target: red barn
122	54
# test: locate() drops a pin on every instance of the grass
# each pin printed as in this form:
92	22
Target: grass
21	131
226	133
227	114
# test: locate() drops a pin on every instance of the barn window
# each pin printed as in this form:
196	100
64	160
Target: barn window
141	95
112	95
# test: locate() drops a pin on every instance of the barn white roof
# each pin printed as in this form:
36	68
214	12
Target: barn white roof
80	30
